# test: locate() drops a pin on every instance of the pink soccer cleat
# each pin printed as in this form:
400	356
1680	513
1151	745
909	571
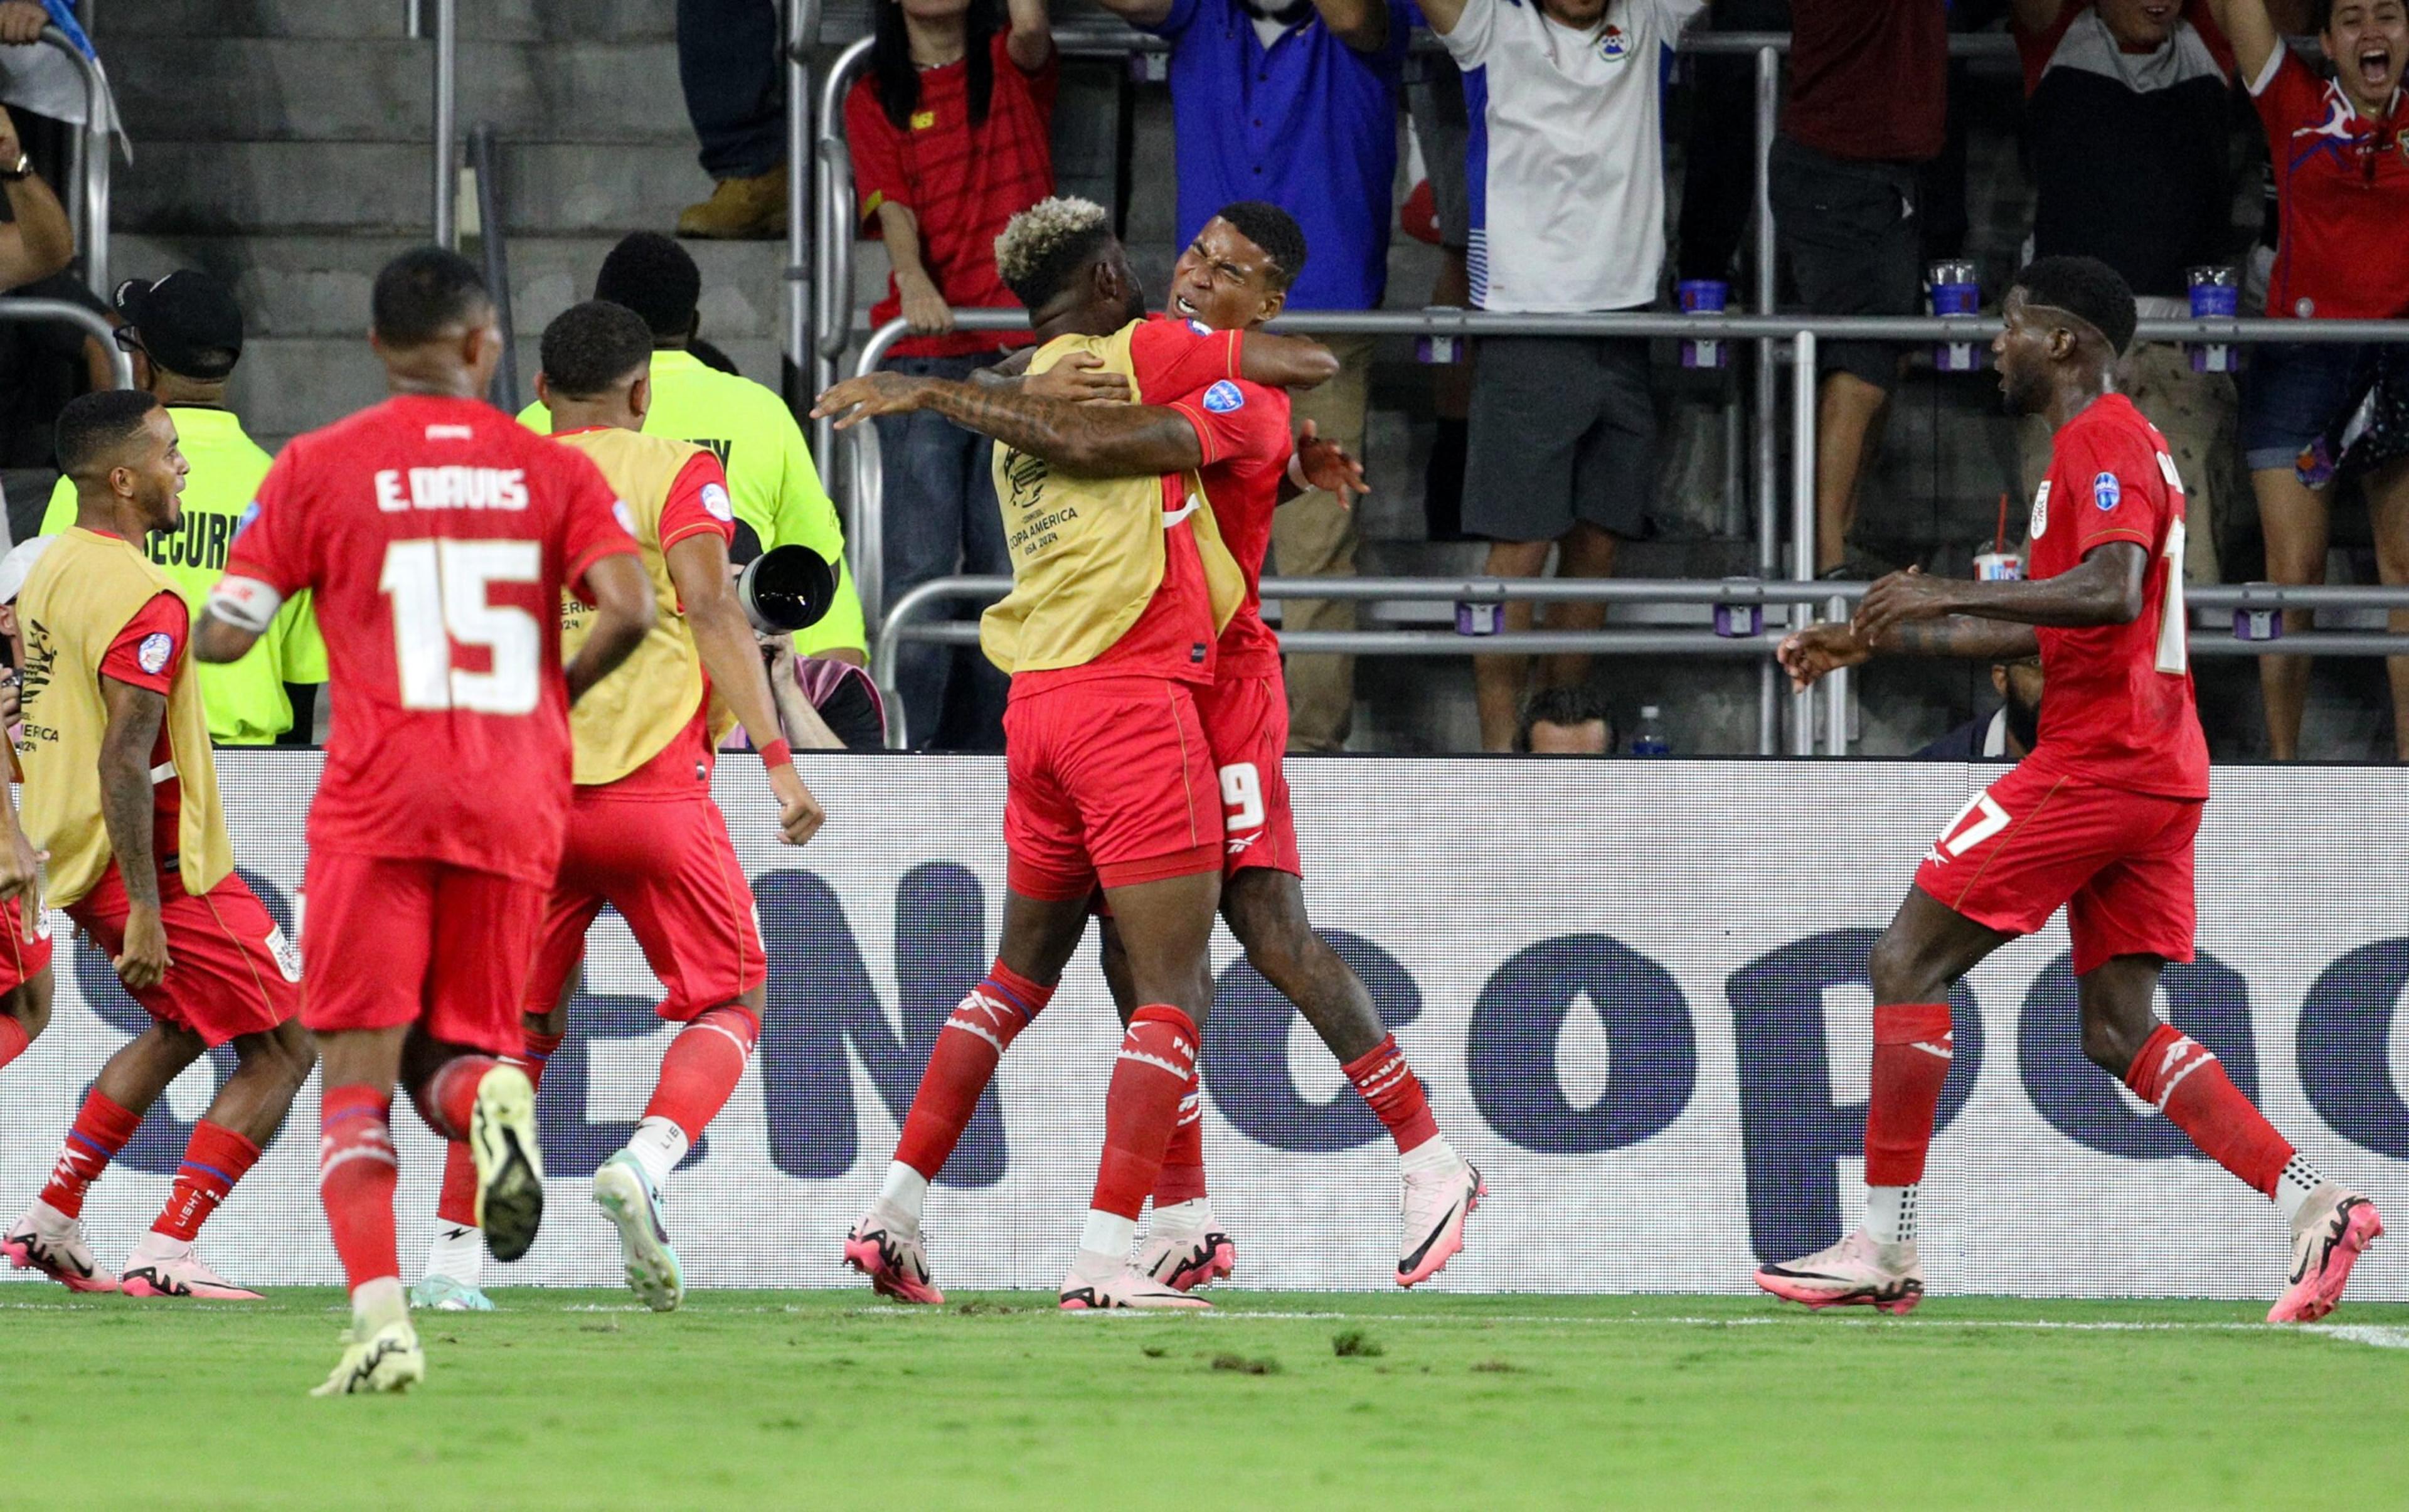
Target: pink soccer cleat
885	1247
1104	1283
179	1272
2331	1227
1436	1205
1186	1257
49	1242
1855	1272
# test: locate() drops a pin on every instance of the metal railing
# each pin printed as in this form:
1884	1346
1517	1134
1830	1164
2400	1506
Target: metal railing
438	21
493	245
88	163
42	312
905	622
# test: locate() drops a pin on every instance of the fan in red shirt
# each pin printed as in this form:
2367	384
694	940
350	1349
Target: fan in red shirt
437	536
2099	819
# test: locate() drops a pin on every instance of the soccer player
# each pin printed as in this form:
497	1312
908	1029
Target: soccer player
644	835
2100	817
437	536
25	922
1121	589
122	794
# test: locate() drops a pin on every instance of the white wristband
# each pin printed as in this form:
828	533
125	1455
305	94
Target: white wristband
245	603
1296	472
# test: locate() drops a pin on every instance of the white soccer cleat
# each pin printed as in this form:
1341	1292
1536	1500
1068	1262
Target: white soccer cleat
628	1198
388	1359
1435	1207
177	1271
1855	1272
2329	1231
439	1293
886	1246
509	1167
1106	1283
48	1241
1186	1257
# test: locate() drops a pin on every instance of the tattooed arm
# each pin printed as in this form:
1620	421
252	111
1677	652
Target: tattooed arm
1094	441
126	802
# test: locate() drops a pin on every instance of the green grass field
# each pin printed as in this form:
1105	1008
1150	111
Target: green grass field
755	1399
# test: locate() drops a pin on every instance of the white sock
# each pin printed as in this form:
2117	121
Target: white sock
154	1246
906	1190
1183	1218
2293	1186
377	1303
458	1253
1108	1234
1890	1215
1433	1154
658	1144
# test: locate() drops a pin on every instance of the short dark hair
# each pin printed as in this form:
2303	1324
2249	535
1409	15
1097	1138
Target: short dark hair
1577	704
426	292
592	348
1272	229
651	275
2088	287
95	426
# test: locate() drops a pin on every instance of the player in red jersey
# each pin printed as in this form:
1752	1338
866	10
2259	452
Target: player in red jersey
24	928
1111	778
437	535
2099	819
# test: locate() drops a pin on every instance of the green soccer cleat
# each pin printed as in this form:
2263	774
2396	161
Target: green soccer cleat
509	1167
440	1293
627	1197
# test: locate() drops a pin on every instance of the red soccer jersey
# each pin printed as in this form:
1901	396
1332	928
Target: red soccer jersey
2116	706
961	181
1173	358
2342	184
437	535
145	655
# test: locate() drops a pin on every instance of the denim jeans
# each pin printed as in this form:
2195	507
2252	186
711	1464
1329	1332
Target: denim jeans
940	518
732	62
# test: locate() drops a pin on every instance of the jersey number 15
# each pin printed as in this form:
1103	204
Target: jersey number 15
440	595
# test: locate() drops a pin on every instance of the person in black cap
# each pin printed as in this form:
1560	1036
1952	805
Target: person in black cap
185	334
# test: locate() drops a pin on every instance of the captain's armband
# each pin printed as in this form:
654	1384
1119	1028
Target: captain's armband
245	603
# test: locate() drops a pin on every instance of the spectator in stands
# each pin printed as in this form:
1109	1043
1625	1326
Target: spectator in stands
1869	86
2127	134
1296	102
1438	211
2009	733
1569	216
185	334
1719	153
733	64
779	500
2342	185
949	133
1565	721
36	241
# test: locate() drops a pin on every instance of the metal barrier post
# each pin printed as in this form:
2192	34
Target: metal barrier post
802	33
447	169
485	153
832	168
1802	510
88	164
34	311
1768	84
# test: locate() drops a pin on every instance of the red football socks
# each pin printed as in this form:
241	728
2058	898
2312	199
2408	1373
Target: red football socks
13	1039
1912	1054
100	1130
1394	1093
1183	1158
700	1071
2179	1076
963	1061
456	1202
356	1176
1157	1059
214	1160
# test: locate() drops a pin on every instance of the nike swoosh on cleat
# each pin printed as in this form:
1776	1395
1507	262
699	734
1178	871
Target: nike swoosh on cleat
1407	1265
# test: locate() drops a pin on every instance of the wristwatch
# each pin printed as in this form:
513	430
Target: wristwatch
23	168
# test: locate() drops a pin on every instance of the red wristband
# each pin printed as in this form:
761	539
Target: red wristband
777	752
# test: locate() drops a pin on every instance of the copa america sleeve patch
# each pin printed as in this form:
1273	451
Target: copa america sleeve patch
245	603
2106	491
625	516
153	654
1224	396
714	503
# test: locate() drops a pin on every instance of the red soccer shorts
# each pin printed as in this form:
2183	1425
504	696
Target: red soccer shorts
1245	724
1110	783
2120	862
21	961
401	942
230	973
670	868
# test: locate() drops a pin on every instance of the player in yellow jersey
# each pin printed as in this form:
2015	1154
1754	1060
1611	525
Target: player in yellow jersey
644	834
123	794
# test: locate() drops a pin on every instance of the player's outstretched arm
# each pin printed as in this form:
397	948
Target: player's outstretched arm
126	801
723	636
623	612
2106	587
1094	441
1279	361
240	611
